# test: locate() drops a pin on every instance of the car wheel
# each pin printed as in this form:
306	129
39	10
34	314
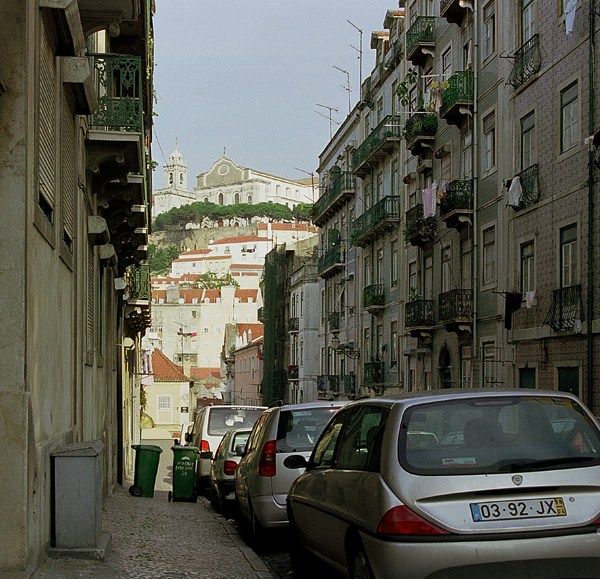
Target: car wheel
215	502
256	529
360	565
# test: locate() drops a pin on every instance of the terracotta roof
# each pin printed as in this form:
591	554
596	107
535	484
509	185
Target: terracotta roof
254	266
287	226
199	373
240	239
256	329
165	370
245	294
192	252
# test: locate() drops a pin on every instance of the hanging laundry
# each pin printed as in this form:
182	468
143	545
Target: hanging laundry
570	9
438	98
515	192
530	299
429	202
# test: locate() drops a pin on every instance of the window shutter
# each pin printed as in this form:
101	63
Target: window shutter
91	301
69	182
47	122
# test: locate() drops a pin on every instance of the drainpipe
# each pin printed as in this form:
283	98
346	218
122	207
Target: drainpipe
590	280
475	164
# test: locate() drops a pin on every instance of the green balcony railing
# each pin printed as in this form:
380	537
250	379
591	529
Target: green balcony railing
334	256
384	210
138	282
119	85
373	295
458	92
389	128
527	62
459	195
342	182
418	314
422	31
419	126
373	372
418	229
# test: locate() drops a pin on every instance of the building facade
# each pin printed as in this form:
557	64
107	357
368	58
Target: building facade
75	115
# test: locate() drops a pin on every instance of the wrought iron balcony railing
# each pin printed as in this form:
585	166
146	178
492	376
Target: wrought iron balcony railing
373	372
420	127
328	383
456	206
529	186
383	137
341	185
119	84
378	218
566	308
456	306
457	98
528	61
420	34
138	282
373	296
418	314
335	256
419	230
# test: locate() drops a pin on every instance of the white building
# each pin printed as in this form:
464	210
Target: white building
227	183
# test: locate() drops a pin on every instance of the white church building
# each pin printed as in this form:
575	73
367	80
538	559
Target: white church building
227	183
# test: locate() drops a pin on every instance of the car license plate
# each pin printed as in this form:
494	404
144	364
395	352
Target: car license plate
520	509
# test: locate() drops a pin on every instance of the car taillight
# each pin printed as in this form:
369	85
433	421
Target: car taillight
204	446
402	521
267	465
229	467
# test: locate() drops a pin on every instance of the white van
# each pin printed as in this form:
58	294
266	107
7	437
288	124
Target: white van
185	428
211	423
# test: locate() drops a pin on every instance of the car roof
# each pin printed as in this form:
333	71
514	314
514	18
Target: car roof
410	398
314	404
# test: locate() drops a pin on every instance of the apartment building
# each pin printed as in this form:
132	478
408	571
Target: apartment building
75	115
456	204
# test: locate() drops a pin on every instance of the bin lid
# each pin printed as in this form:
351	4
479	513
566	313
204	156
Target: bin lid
85	448
151	447
181	447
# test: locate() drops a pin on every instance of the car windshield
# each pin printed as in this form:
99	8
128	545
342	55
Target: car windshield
497	434
298	430
220	420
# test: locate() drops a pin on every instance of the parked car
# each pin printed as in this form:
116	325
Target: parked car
186	427
261	479
512	495
210	424
223	467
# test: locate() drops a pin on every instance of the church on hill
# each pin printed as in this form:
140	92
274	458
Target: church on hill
227	183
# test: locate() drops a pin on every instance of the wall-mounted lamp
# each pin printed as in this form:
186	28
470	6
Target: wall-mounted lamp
344	349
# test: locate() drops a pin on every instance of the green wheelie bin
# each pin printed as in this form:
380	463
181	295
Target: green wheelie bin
147	457
184	473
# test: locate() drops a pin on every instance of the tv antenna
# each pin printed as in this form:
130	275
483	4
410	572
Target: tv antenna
347	85
359	50
330	109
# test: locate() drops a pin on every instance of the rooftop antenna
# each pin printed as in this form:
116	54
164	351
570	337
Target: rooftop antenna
347	85
359	50
330	118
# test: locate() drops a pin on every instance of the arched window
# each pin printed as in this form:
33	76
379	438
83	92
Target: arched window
249	198
220	198
206	199
236	198
170	178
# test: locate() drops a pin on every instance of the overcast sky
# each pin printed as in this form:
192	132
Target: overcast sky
246	76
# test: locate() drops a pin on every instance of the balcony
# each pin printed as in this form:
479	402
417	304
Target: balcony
260	315
381	142
530	192
374	298
349	385
527	62
376	221
456	208
457	98
139	295
328	384
455	310
420	40
418	318
341	188
334	321
373	372
292	372
332	261
453	11
419	230
420	131
566	309
293	325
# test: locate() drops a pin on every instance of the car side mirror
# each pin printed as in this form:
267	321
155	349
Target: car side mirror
188	437
240	450
295	461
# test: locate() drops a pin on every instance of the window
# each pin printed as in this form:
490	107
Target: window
379	272
446	273
428	278
528	145
489	255
526	377
393	344
489	142
394	178
527	20
413	285
465	367
446	64
489	363
465	263
569	262
489	30
379	109
466	156
394	263
379	186
569	117
527	267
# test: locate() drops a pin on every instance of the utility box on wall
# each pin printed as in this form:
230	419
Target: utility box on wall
77	478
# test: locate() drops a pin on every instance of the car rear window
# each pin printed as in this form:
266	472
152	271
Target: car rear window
497	434
220	420
298	430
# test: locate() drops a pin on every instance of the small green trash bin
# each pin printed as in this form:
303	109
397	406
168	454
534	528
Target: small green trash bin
147	457
184	473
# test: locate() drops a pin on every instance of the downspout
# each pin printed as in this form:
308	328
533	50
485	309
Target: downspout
590	280
475	164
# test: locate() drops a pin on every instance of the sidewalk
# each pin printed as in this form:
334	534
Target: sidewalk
153	538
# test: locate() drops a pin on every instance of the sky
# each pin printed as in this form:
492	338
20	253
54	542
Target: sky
246	77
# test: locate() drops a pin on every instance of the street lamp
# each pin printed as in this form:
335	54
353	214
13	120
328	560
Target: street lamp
343	349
